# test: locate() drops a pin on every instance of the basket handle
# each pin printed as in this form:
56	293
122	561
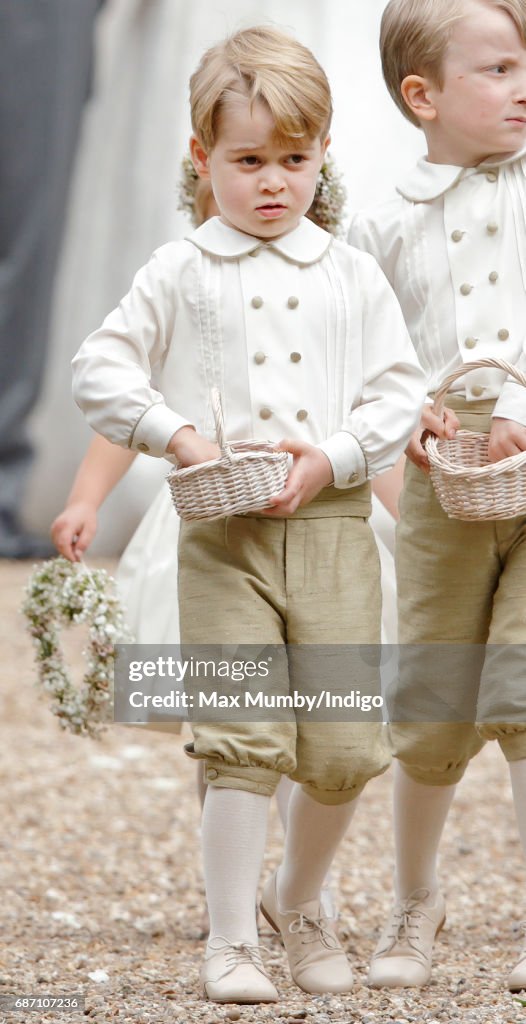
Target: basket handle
217	409
497	364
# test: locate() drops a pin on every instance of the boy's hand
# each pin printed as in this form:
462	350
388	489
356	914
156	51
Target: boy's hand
190	448
507	437
311	470
74	529
444	426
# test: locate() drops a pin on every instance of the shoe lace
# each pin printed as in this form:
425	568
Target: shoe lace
405	922
237	953
313	929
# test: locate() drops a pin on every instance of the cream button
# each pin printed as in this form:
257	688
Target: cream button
470	342
493	277
142	447
492	227
212	773
295	357
457	236
256	302
265	413
259	358
477	391
503	334
293	302
301	415
491	176
352	478
465	289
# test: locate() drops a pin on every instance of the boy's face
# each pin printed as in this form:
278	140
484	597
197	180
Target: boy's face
480	111
262	187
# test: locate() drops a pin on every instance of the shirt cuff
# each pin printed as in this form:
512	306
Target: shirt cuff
153	430
348	463
511	403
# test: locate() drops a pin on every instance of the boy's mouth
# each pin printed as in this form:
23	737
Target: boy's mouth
271	209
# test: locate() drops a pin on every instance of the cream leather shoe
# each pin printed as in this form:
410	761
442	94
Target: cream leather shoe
233	972
402	957
517	977
318	963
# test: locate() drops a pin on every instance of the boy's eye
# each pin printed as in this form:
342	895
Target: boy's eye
500	69
250	161
296	158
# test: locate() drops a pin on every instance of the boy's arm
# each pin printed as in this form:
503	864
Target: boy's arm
100	470
508	432
113	367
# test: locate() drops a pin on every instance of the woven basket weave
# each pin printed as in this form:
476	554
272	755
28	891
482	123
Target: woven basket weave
467	484
243	479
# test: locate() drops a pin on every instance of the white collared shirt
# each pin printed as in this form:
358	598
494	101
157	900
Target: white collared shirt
302	335
453	246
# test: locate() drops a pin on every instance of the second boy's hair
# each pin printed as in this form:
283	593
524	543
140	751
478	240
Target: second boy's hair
262	63
415	34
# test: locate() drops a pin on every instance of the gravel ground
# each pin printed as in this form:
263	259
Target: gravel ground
101	873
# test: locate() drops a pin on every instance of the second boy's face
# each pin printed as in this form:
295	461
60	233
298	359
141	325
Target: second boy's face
261	186
481	108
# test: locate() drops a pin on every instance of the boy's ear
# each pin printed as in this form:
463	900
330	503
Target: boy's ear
325	145
199	158
417	95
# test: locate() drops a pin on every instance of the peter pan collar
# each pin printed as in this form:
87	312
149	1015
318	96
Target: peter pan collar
305	244
428	181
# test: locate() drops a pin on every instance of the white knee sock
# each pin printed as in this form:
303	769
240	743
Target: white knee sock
282	798
518	787
420	814
234	828
313	834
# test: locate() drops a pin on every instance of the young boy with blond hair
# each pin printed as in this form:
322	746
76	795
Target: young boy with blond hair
453	245
306	341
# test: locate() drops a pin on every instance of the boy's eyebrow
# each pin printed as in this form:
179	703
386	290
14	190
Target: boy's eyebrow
296	146
242	148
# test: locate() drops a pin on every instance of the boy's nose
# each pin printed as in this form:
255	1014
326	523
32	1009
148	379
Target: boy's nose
271	182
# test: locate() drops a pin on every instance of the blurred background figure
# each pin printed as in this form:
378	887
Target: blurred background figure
45	73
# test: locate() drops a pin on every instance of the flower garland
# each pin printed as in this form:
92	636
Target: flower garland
61	593
327	207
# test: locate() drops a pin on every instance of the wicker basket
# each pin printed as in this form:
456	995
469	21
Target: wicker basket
243	479
467	484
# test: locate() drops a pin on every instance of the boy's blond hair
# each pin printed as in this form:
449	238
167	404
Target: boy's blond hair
414	38
262	63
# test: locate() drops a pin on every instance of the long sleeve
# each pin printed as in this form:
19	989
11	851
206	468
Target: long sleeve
112	370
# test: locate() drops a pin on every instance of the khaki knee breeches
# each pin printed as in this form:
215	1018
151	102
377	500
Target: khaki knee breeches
460	584
301	580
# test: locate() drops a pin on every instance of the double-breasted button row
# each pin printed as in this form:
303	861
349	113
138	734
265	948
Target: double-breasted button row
502	335
492	228
266	414
292	302
260	357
